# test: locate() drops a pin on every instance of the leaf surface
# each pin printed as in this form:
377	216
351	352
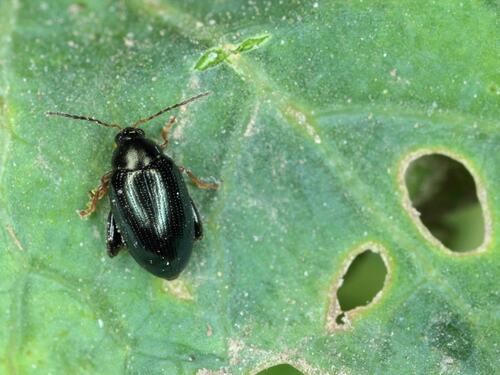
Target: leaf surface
307	131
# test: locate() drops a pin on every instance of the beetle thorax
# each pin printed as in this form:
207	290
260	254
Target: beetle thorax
135	153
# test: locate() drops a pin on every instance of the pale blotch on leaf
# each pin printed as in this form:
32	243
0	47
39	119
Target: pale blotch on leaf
178	289
299	117
14	238
205	371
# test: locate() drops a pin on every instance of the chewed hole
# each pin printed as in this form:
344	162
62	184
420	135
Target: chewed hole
444	193
283	369
363	280
340	318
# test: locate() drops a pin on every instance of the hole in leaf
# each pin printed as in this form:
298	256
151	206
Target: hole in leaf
283	369
364	278
340	318
444	193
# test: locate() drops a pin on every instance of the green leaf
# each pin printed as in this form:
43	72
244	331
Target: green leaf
250	43
211	58
309	134
216	56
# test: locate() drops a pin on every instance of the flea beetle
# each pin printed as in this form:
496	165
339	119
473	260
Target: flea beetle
151	210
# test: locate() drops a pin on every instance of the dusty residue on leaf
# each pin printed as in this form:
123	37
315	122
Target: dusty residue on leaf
76	8
300	118
205	371
13	236
238	356
235	347
178	289
5	123
250	128
451	335
334	309
415	215
184	117
289	359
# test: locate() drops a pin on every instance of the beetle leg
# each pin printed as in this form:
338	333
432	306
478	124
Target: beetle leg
165	131
95	195
114	240
198	226
198	181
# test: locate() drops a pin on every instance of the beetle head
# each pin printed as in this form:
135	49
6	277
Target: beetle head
128	134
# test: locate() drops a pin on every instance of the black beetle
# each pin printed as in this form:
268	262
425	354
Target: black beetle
151	210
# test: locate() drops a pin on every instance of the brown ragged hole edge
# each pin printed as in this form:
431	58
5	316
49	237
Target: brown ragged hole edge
334	309
415	215
285	359
269	360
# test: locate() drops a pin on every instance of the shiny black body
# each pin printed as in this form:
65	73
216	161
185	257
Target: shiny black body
151	210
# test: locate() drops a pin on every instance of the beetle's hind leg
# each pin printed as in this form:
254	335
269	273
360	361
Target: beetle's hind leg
198	181
166	130
198	226
114	239
95	195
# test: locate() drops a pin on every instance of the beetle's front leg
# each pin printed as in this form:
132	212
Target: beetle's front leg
95	195
198	181
165	131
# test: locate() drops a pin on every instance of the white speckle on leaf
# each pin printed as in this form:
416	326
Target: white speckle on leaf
446	364
178	288
301	119
250	129
129	41
74	9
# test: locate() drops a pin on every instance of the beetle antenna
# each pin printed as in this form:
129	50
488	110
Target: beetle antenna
187	101
85	118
